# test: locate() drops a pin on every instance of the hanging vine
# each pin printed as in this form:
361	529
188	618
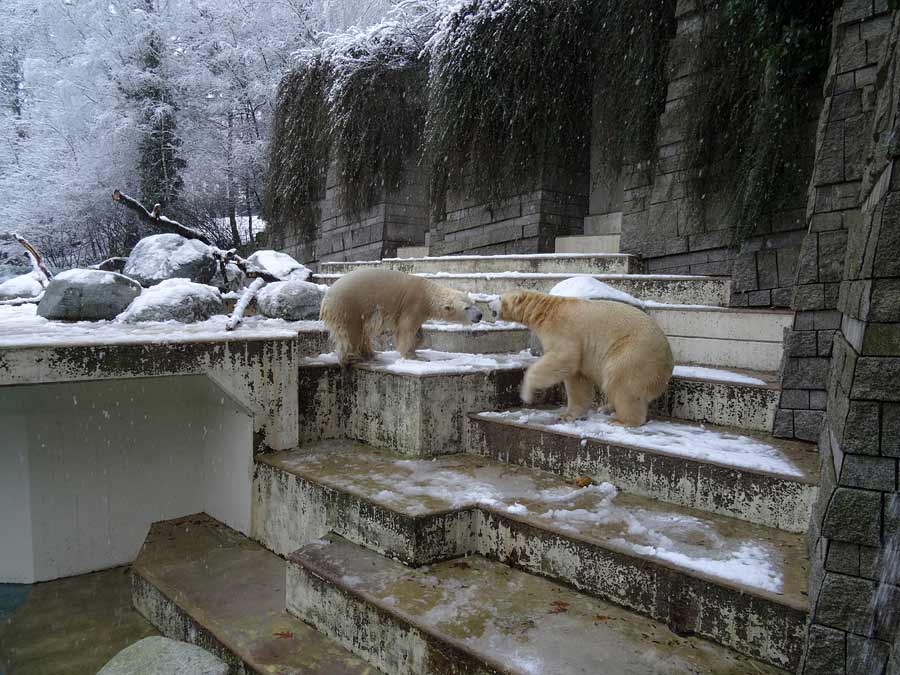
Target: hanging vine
751	110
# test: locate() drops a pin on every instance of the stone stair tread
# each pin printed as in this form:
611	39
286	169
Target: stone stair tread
234	588
512	621
752	559
550	275
725	446
503	256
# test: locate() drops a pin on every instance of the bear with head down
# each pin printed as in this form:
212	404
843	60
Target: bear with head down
367	303
614	346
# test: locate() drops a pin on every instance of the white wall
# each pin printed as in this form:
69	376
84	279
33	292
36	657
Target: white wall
104	460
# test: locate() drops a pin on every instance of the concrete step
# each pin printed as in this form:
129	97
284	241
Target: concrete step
715	336
595	243
739	584
199	581
420	407
670	289
751	477
477	616
582	262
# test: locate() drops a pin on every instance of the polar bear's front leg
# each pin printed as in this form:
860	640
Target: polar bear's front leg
549	370
408	338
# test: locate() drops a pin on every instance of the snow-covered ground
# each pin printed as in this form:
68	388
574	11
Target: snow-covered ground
444	327
22	327
704	373
685	440
652	529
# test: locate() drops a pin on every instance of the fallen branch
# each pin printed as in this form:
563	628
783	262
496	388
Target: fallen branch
237	317
16	302
245	266
37	262
116	264
156	219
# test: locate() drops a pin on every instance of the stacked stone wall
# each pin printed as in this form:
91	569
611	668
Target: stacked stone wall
855	530
660	223
833	208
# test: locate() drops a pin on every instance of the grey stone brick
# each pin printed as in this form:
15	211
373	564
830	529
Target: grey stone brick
795	399
817	399
869	557
844	602
877	378
853	516
783	427
759	298
808	424
808	260
801	343
890	430
866	656
861	427
824	341
827	320
842	558
806	373
781	297
809	297
873	473
825	651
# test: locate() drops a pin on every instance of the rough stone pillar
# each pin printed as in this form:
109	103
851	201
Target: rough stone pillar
859	32
855	530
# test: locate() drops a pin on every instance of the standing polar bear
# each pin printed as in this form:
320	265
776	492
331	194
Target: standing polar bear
592	342
366	303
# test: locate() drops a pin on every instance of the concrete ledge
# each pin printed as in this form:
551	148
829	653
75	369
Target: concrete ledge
674	289
198	581
597	243
757	496
329	586
576	262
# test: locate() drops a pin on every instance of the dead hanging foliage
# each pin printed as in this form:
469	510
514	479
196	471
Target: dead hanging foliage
512	85
299	150
750	113
377	112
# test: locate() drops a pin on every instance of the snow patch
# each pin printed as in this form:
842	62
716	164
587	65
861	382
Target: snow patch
702	373
586	287
683	440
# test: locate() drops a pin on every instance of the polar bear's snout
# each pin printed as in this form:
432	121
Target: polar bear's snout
473	313
495	305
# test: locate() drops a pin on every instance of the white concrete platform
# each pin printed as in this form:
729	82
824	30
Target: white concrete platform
577	262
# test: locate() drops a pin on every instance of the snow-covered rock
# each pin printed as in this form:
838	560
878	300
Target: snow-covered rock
161	656
170	256
589	288
281	265
175	300
22	286
87	295
290	300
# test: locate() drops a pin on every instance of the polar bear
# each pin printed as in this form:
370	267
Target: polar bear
366	303
592	342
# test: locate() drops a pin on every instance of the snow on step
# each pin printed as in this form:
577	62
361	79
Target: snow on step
684	440
716	375
478	615
199	581
715	469
698	571
574	263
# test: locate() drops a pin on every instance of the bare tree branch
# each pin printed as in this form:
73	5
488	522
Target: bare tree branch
37	262
156	219
237	317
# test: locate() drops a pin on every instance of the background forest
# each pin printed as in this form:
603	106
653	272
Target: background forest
167	100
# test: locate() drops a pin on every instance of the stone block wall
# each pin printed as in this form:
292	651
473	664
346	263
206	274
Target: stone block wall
400	218
659	223
855	530
833	208
528	222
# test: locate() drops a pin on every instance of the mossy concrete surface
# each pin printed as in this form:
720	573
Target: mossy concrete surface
71	626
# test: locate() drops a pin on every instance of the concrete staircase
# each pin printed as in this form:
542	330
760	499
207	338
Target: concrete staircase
428	524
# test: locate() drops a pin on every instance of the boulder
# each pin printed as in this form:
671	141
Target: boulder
290	300
87	295
22	286
281	265
170	256
175	300
161	656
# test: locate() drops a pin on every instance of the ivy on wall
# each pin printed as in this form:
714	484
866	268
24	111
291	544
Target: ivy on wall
751	112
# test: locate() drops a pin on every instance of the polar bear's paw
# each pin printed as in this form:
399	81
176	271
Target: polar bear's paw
527	395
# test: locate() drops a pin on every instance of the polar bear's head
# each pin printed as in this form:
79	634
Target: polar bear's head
459	308
521	306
